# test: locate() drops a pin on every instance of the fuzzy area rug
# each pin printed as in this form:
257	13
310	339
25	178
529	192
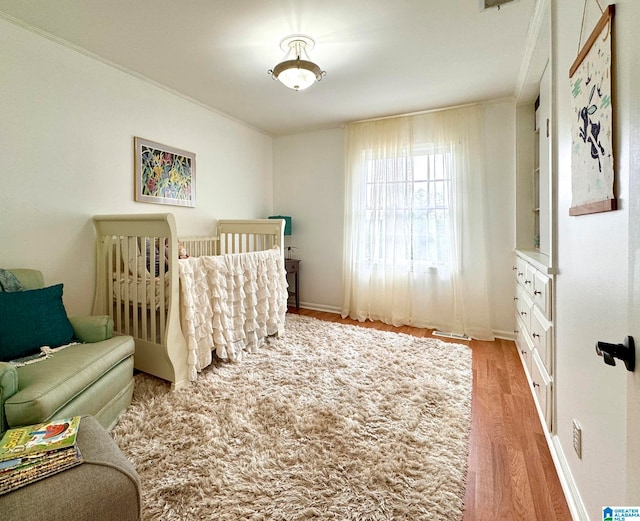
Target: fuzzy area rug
330	421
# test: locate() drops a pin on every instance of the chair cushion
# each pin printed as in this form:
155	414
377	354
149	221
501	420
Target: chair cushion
46	386
32	319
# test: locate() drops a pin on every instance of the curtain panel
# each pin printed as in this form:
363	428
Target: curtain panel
415	222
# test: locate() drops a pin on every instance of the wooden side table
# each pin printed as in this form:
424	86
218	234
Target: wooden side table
292	267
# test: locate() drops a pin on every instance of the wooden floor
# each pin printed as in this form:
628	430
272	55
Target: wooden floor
511	476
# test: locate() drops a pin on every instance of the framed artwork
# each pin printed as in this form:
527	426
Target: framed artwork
592	158
163	174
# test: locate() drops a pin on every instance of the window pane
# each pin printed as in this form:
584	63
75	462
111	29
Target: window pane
408	209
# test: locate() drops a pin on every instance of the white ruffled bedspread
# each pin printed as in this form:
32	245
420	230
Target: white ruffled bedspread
231	303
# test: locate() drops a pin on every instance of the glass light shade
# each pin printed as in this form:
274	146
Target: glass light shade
297	78
297	74
297	71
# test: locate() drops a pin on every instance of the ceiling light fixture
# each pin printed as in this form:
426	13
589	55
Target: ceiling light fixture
296	70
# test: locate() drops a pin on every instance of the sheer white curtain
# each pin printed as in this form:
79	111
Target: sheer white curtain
415	235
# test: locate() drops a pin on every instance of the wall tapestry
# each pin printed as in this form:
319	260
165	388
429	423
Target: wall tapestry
592	159
163	174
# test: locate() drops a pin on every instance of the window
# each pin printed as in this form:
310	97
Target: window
409	198
414	238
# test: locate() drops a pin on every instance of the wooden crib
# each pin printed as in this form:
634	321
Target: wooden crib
138	282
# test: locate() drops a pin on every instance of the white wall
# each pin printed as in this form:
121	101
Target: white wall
309	186
67	123
631	116
500	163
592	282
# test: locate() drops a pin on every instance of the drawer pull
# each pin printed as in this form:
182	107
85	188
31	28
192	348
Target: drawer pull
527	282
514	268
535	335
536	292
536	385
523	313
515	298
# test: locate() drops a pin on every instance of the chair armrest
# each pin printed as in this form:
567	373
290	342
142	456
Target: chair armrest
8	387
92	329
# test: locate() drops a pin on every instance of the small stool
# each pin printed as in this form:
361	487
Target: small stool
104	486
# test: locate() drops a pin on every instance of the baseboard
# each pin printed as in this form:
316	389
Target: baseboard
568	484
572	495
320	307
504	335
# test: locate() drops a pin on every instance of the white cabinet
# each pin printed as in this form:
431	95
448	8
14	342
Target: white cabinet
534	331
535	215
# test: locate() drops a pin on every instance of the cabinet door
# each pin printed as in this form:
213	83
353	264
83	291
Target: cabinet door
544	178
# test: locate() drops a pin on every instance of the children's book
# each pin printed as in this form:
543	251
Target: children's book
28	454
37	440
27	470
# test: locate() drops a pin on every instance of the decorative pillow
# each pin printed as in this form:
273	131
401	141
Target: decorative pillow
9	282
32	319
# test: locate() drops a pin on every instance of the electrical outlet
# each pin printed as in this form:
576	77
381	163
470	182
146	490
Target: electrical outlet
577	438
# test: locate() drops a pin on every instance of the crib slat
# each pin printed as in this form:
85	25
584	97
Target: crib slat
161	300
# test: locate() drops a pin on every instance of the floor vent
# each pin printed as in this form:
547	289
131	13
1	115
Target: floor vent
446	334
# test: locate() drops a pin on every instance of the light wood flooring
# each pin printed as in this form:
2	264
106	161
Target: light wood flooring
511	476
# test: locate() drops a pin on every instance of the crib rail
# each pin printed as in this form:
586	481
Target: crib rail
198	246
243	236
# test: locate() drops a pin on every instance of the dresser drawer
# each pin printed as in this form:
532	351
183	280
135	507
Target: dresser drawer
542	293
292	265
524	344
523	307
542	388
521	270
542	337
529	278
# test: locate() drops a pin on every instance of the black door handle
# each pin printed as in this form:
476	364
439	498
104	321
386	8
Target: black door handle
625	352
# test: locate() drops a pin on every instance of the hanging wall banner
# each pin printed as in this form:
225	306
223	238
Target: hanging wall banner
592	159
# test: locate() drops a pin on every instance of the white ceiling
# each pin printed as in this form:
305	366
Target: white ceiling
382	57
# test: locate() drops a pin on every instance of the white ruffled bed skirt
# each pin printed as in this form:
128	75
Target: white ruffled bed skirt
231	303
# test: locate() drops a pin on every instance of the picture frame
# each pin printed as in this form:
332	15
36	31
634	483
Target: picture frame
164	174
592	140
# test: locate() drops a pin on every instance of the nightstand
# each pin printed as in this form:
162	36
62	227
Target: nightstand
292	267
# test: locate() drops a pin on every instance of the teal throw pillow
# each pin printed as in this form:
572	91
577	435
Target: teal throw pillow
32	319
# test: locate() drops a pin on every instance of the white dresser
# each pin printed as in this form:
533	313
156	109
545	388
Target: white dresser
534	329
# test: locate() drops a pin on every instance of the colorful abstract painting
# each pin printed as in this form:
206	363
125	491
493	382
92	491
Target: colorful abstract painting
592	158
164	174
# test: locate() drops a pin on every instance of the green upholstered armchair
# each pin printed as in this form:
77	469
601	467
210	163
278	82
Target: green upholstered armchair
93	376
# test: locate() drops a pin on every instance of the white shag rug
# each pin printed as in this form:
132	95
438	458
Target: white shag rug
331	421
